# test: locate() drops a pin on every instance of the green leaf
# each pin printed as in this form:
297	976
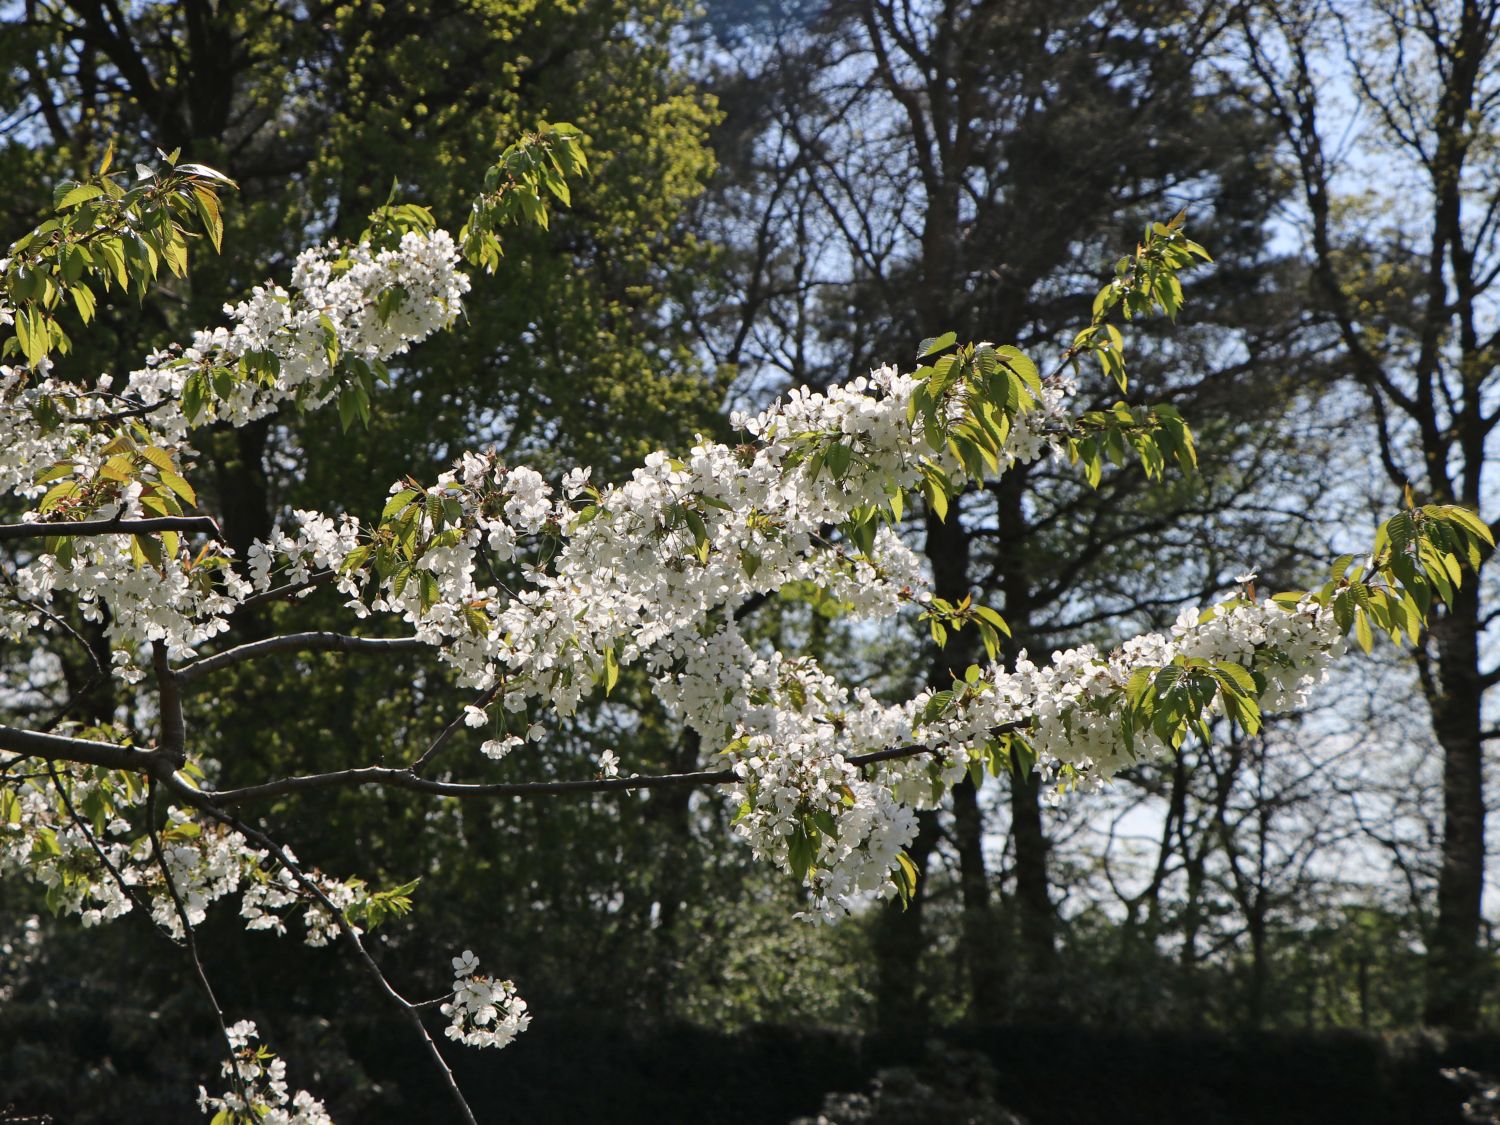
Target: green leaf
935	344
934	707
145	549
57	494
697	527
611	670
33	333
80	194
838	459
179	486
801	852
1239	676
193	392
937	499
986	614
428	589
398	502
207	206
905	876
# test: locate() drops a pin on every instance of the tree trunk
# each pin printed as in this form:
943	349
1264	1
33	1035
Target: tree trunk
980	937
901	1003
948	545
1260	969
1038	952
1457	974
1038	927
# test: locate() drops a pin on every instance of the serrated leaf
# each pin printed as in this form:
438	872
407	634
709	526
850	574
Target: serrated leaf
935	344
178	485
1239	676
398	502
80	194
120	468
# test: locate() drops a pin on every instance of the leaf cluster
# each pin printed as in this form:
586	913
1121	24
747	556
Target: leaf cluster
106	234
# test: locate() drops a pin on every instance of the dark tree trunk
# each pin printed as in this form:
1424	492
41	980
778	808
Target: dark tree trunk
1260	968
240	477
981	938
948	547
1430	384
1457	973
901	1002
1033	900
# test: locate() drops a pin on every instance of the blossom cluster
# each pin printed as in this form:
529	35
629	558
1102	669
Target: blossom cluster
1070	708
654	570
261	1092
97	871
345	302
348	306
483	1011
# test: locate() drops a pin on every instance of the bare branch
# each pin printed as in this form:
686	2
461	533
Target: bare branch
60	748
115	526
295	642
407	779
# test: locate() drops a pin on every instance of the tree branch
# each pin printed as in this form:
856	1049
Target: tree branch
484	700
406	779
200	801
295	642
115	526
169	695
192	943
60	748
291	589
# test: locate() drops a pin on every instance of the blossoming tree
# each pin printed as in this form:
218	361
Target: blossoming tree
535	594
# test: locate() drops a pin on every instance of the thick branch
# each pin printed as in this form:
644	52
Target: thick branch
60	748
114	526
169	697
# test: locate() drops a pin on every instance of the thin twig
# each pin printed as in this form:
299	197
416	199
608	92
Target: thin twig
407	779
87	830
192	944
289	590
99	676
486	697
200	801
296	642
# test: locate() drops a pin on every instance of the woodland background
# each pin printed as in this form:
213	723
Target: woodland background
1286	928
